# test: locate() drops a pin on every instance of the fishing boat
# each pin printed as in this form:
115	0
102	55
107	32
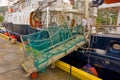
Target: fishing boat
28	16
103	51
47	30
43	47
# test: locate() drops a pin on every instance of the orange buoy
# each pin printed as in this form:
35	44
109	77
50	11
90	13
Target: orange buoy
13	37
111	1
6	33
34	75
94	71
90	69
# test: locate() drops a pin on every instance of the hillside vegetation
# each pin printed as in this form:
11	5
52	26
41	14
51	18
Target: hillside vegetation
107	17
3	9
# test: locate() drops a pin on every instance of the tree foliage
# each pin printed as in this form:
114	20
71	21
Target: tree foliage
1	18
104	17
3	9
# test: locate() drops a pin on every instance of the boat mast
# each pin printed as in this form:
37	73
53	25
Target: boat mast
47	17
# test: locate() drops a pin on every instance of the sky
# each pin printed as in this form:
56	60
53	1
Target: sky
3	2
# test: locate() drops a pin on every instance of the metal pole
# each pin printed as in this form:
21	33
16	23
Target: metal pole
47	17
86	14
86	8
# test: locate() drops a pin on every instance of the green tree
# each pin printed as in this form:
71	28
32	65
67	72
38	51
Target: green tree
104	17
1	18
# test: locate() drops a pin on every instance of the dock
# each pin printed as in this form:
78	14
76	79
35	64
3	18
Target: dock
11	56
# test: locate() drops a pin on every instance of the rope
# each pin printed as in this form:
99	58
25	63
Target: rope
87	48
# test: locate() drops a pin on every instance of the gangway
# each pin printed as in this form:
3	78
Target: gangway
47	46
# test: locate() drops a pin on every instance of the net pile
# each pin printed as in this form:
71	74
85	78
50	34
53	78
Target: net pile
47	43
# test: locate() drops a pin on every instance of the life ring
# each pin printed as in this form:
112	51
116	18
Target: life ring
34	21
10	10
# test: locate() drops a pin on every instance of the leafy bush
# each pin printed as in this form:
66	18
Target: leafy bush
104	17
1	18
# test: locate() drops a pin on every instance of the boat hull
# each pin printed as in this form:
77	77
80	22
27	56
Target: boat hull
104	55
19	29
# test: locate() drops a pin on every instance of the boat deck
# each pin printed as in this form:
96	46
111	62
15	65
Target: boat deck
11	56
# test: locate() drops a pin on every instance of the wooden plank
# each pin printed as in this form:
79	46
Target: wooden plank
59	56
28	65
